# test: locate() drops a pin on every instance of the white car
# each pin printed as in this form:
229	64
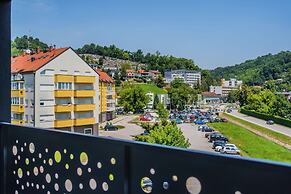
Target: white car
218	148
230	149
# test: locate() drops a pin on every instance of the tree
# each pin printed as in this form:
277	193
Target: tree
182	94
156	101
159	81
162	111
133	98
165	133
232	96
117	79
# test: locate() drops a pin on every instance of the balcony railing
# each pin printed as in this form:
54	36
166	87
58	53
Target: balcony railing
46	161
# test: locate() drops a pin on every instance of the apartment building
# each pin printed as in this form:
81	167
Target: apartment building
226	86
188	76
55	90
107	96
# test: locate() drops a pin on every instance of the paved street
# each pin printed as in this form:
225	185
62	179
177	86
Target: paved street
196	138
278	128
126	133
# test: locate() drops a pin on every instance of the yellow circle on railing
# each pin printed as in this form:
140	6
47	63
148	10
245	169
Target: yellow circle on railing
84	158
58	157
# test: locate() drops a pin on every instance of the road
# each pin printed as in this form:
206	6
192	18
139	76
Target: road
196	138
278	128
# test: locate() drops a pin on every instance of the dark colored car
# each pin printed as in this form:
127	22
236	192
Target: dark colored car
208	129
218	143
109	127
224	120
215	137
208	134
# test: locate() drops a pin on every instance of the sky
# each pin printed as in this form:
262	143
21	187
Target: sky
211	32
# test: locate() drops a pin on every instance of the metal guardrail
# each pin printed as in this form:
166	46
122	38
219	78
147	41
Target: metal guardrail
48	162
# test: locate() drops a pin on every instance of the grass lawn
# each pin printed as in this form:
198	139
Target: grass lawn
152	88
273	134
252	145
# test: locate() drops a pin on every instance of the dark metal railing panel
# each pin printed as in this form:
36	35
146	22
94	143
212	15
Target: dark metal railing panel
127	167
48	162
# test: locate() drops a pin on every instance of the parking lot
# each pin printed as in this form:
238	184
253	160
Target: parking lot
196	138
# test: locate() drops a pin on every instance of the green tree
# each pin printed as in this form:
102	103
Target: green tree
156	101
159	81
133	98
232	96
162	111
165	133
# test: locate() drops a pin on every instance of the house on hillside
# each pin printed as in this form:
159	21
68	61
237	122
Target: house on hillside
226	87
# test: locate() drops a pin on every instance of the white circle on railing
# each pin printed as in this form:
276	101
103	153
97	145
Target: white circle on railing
31	148
48	178
14	150
68	185
146	185
193	185
105	186
56	187
92	184
79	171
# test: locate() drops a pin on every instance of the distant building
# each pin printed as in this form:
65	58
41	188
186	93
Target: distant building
208	98
188	76
286	94
163	98
151	74
107	96
226	86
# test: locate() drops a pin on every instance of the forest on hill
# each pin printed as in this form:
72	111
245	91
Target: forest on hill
259	70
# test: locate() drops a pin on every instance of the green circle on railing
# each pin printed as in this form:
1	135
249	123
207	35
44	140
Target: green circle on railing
84	158
58	157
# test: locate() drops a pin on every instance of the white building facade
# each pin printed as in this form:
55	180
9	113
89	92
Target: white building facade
188	76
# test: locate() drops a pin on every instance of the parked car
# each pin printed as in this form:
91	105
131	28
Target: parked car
223	120
110	127
229	110
218	143
143	118
208	134
270	122
215	137
207	129
230	149
199	122
201	127
179	121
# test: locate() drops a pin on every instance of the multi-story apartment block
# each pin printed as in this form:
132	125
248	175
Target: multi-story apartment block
188	76
107	96
55	90
226	86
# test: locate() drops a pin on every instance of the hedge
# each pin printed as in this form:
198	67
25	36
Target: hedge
278	120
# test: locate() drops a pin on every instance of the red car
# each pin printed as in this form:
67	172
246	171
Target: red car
143	118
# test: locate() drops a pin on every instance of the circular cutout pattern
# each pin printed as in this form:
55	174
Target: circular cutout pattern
20	173
84	158
71	156
50	162
152	171
193	185
81	186
68	185
99	165
48	178
56	175
92	184
41	169
166	185
113	161
174	178
56	187
105	186
35	171
14	150
146	185
111	177
67	166
58	156
27	161
79	171
31	148
237	192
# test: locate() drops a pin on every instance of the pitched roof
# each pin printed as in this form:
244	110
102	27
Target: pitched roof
103	76
31	63
209	94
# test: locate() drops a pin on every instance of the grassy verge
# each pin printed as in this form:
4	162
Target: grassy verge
273	134
251	144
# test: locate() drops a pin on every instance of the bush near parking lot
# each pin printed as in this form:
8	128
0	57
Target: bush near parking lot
164	133
276	119
251	144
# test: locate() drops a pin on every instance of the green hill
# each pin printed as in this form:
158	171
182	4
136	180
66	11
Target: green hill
152	88
259	70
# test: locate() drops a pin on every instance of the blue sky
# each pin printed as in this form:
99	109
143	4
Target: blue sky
211	32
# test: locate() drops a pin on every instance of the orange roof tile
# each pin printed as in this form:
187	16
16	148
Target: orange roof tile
103	76
31	63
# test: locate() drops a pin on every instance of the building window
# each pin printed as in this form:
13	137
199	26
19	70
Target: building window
63	86
16	100
88	131
17	85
